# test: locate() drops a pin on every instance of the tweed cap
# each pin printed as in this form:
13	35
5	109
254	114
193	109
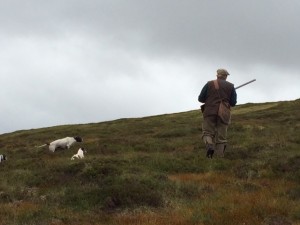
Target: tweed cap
222	72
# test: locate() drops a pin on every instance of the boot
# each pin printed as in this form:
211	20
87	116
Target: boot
209	146
220	150
210	150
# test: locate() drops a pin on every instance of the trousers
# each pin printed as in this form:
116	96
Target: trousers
214	133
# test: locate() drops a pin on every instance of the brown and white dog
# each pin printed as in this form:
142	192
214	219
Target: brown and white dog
80	154
64	143
2	158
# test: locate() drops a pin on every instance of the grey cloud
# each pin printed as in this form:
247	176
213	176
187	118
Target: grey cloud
243	31
88	60
238	30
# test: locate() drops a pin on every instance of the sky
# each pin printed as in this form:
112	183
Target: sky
85	61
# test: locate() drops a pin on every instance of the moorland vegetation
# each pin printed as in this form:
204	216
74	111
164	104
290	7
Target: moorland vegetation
153	171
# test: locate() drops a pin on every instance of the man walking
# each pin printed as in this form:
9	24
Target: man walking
214	128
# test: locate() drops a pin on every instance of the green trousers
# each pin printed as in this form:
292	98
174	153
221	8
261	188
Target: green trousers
214	132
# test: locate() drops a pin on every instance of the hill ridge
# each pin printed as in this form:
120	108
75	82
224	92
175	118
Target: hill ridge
153	170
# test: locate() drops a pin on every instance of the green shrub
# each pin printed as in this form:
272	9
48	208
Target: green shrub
289	168
294	193
116	192
132	191
245	171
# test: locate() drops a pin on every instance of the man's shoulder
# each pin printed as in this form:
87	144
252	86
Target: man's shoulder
228	83
210	82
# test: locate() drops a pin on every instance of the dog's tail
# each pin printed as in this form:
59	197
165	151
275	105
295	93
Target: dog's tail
42	145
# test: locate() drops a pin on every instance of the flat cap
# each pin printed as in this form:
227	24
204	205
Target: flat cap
222	72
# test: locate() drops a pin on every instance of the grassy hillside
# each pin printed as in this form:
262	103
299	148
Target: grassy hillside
153	171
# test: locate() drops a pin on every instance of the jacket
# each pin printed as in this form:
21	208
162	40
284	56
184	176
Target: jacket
209	95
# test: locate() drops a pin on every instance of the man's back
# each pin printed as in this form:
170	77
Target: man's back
212	97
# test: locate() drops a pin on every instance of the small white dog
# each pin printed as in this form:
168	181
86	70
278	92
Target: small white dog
80	154
64	143
2	158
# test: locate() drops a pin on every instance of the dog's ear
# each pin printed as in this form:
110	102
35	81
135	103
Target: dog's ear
78	139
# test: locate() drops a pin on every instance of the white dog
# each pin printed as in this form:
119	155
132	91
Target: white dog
80	154
2	158
64	143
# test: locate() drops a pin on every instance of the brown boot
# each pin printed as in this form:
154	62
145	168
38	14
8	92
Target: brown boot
209	146
209	150
220	150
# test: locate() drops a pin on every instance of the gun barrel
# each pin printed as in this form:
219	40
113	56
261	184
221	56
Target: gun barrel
245	83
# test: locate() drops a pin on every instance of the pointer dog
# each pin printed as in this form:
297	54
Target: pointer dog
64	143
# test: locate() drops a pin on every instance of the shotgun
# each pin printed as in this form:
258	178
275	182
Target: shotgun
242	85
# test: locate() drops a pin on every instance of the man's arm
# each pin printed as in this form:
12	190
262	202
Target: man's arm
203	95
233	98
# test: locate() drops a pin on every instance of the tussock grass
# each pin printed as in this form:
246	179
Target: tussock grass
154	171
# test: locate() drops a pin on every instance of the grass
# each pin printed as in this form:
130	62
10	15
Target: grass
153	171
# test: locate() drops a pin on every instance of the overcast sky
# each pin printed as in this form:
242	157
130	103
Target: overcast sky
82	61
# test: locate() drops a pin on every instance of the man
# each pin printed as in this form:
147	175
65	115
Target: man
214	130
